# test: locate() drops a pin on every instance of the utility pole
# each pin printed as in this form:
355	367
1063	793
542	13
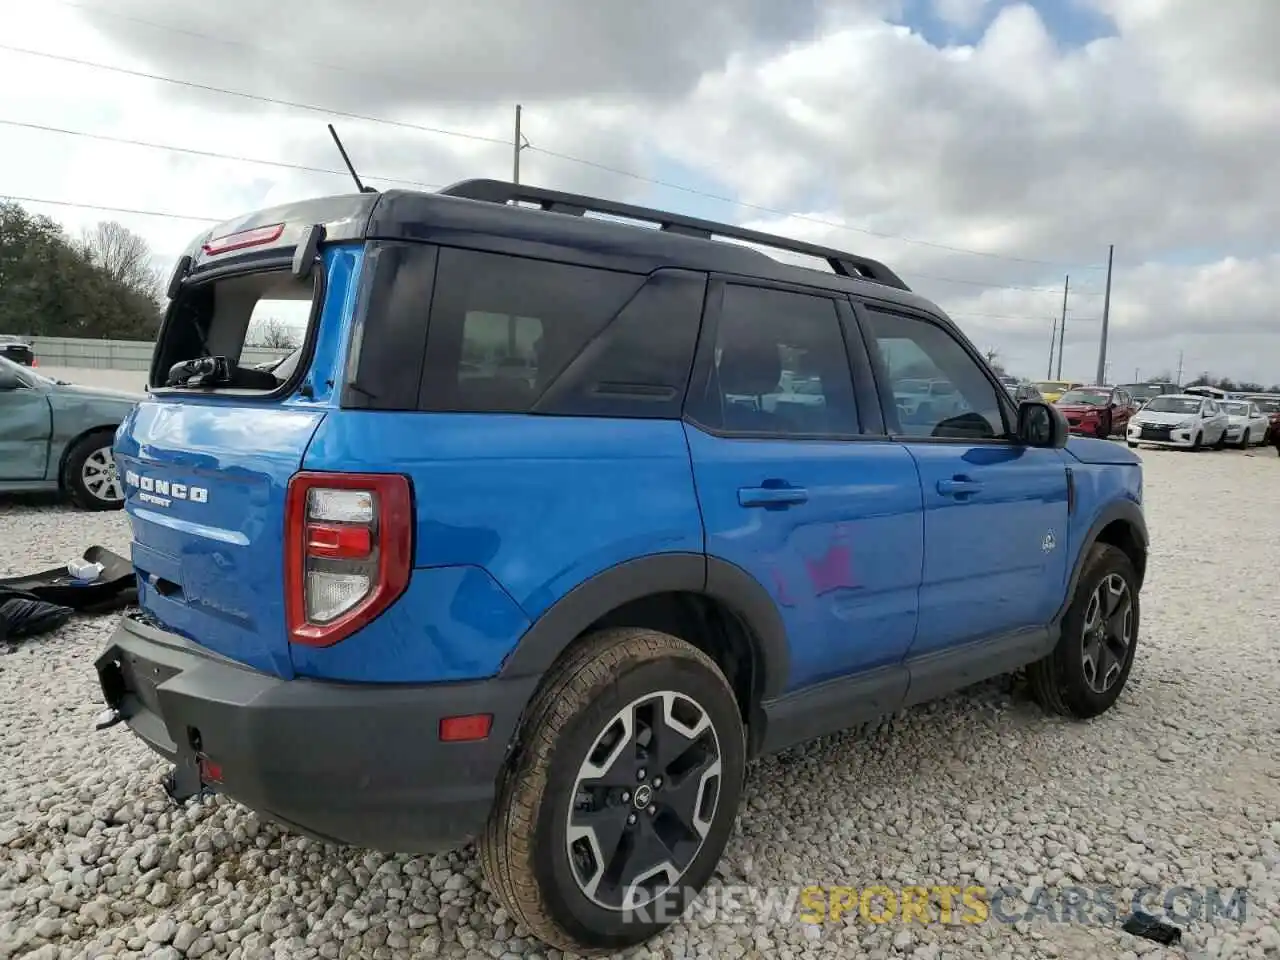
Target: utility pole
1053	340
517	146
1062	328
1106	316
1179	383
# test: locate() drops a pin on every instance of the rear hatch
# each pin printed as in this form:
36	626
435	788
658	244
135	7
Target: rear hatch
207	462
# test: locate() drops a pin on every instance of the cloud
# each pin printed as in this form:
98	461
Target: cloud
824	120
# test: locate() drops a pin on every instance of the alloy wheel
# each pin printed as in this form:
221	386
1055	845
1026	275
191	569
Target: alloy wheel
1108	631
101	476
644	800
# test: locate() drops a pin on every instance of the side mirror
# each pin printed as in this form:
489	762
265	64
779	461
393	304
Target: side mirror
9	380
1041	424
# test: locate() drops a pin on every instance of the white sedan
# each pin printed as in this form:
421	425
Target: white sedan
1247	424
1180	420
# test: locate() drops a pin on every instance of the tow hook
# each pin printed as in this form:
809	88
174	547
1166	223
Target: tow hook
182	783
107	718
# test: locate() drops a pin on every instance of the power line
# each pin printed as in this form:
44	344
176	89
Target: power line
95	206
208	153
257	98
293	104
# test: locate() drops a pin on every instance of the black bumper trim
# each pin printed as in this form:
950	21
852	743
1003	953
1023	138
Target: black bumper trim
360	764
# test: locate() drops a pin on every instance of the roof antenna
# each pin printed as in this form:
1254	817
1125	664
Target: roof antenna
347	160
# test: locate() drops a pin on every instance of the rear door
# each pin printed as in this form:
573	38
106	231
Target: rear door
798	485
206	471
995	520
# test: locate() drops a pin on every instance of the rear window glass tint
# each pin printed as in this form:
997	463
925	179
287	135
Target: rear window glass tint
502	328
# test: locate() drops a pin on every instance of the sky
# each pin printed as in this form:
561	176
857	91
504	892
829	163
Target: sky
984	149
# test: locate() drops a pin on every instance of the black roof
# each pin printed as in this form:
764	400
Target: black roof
496	215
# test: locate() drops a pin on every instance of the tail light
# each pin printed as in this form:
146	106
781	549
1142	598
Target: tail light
348	549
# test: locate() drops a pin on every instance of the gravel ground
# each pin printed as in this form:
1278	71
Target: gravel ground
1178	785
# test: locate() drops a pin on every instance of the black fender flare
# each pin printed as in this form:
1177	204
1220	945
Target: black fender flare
630	580
1126	511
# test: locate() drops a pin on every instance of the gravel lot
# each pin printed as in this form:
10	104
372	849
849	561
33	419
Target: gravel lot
1179	785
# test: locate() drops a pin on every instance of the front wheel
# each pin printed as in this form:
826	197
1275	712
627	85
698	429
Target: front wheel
90	475
1199	441
1222	440
1245	441
1090	665
614	814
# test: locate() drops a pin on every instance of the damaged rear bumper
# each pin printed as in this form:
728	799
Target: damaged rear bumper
358	764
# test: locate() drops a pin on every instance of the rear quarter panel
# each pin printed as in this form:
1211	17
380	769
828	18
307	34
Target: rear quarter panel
512	512
75	415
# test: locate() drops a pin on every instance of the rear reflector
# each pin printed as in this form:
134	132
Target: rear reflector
246	238
348	552
473	726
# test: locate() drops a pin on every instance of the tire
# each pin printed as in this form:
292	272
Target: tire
1222	441
1199	442
90	488
1132	445
1244	441
1062	682
528	858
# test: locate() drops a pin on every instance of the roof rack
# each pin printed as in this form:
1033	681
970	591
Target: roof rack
554	201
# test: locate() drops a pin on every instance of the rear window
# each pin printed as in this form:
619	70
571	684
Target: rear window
256	322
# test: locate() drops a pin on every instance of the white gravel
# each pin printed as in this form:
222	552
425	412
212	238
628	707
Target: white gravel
1178	785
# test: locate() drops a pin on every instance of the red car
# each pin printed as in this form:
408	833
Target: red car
1096	411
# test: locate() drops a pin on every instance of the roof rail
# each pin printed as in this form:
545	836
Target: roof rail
501	191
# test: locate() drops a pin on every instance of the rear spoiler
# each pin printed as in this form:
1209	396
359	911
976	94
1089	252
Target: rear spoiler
289	234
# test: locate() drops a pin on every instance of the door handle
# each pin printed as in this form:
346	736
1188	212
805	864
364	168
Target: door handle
958	486
772	496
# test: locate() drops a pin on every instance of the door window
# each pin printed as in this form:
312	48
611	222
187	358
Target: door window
939	389
779	368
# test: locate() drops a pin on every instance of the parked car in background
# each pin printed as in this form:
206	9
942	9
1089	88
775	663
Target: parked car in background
1217	393
1052	390
1179	420
56	436
1247	425
1143	393
1269	404
1096	411
16	349
1021	390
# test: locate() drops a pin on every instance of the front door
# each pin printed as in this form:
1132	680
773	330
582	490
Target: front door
996	512
792	491
26	424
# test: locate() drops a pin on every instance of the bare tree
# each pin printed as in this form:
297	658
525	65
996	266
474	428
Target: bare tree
993	358
273	334
122	255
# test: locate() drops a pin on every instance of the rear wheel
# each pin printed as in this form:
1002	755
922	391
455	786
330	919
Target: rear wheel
90	476
1088	669
618	806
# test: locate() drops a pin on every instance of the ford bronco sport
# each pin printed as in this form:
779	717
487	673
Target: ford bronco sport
565	510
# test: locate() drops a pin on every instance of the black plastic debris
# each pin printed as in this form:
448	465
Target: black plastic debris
23	615
1149	928
114	587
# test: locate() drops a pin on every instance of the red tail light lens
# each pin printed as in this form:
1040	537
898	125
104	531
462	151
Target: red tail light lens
348	549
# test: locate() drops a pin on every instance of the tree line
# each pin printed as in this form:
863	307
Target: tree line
101	284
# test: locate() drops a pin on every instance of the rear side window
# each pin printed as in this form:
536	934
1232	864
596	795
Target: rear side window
503	328
779	369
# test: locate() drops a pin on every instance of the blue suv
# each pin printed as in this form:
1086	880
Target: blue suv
564	511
